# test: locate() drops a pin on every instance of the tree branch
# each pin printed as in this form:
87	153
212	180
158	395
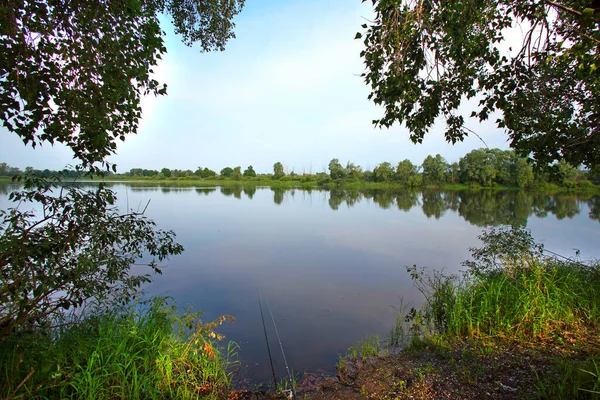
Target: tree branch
564	8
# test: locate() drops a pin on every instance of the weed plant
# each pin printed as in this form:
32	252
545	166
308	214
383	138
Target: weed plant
513	293
148	351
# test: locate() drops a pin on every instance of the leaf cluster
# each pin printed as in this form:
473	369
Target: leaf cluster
74	72
426	58
75	248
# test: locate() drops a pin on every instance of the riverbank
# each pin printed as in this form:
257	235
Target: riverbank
144	351
517	325
327	184
290	183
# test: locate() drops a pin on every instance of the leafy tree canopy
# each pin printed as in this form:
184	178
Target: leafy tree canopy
424	58
336	171
74	71
278	171
249	172
227	172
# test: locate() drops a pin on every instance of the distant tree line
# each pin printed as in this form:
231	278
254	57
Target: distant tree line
481	167
7	170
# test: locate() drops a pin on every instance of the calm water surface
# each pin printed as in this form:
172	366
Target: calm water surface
332	263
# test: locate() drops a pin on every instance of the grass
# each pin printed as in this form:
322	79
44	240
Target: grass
370	347
513	295
547	300
515	322
577	380
147	351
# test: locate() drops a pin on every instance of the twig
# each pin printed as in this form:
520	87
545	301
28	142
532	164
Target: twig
29	375
563	7
476	134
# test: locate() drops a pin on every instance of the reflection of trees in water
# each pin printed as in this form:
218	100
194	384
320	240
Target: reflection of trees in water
353	197
383	198
490	208
338	196
6	188
560	205
143	189
406	200
594	204
235	191
173	189
249	191
278	194
481	208
453	200
205	191
435	203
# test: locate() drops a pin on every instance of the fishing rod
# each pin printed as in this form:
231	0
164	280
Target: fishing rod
282	353
266	339
570	259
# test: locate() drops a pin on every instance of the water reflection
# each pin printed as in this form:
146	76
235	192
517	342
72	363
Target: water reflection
205	191
480	208
331	262
249	191
594	205
278	195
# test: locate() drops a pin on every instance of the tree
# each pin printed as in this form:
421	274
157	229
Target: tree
278	170
383	172
454	170
208	173
249	172
565	173
477	166
336	171
434	169
237	173
405	172
424	59
521	172
80	248
353	171
74	72
165	172
226	172
7	170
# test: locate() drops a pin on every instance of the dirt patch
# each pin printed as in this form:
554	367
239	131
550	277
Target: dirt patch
469	370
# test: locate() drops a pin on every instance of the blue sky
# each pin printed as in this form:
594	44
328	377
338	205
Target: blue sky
287	89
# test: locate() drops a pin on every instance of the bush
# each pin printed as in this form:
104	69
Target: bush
136	352
511	290
77	248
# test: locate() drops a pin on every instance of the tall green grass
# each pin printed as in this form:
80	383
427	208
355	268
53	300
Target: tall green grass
513	293
142	352
550	299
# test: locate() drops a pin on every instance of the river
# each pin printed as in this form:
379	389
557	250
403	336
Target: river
331	263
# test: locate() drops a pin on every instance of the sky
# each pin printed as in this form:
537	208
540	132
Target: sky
287	89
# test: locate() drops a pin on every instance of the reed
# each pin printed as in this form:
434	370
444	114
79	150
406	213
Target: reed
512	293
137	352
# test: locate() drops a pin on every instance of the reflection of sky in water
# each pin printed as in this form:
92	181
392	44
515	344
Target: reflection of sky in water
332	276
